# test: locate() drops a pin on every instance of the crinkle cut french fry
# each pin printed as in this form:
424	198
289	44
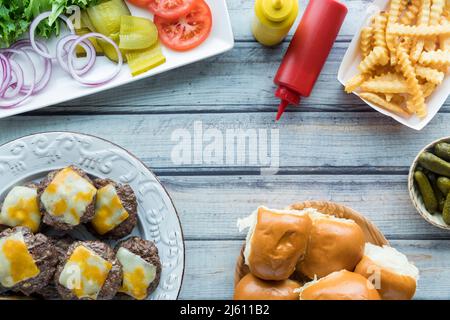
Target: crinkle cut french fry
410	15
430	74
382	103
422	20
354	83
444	40
379	26
437	57
378	56
393	16
365	42
419	31
386	85
436	10
428	89
417	99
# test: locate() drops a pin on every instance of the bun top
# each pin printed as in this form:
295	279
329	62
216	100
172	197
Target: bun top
252	288
394	276
335	244
341	285
277	239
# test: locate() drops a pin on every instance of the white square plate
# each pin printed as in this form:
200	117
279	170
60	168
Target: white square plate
62	87
349	67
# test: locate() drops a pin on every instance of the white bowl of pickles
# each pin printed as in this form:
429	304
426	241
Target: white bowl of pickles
429	183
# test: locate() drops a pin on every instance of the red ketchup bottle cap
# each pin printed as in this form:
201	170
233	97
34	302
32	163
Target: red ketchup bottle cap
287	97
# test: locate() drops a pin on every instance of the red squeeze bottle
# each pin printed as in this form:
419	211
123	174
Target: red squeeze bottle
308	51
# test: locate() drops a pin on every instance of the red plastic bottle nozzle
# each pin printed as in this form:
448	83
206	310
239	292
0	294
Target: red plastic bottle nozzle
308	51
287	97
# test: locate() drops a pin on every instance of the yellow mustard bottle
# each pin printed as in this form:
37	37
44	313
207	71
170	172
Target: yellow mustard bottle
273	19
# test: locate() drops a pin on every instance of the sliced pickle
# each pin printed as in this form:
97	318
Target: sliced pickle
106	16
80	51
109	50
86	21
137	33
141	61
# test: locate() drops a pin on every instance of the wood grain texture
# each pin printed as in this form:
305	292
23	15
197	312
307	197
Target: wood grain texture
238	81
313	139
210	268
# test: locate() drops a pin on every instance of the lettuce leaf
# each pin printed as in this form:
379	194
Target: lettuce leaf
17	15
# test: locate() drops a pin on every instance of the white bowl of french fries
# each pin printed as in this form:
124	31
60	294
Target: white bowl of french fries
398	62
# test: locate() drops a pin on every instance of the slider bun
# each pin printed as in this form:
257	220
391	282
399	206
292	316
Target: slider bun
340	285
276	240
252	288
394	276
335	244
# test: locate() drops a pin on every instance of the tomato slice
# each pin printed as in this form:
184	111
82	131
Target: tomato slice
139	3
188	31
170	9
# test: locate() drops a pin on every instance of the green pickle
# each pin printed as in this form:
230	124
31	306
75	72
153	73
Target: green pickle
137	33
106	16
440	197
442	150
443	184
109	50
446	211
428	196
435	164
141	61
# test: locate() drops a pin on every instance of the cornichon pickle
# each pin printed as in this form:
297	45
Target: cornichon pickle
435	164
443	184
440	197
428	197
442	150
446	211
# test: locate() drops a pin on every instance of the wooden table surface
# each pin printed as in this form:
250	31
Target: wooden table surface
331	148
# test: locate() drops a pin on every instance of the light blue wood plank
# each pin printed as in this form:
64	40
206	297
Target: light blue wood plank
313	139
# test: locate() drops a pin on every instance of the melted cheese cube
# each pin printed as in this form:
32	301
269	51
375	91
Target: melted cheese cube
68	196
16	262
138	274
84	273
109	211
21	208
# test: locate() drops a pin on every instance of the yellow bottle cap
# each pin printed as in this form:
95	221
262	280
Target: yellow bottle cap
278	10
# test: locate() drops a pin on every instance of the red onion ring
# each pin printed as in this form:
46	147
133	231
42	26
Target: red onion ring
33	71
34	25
6	73
16	83
71	55
42	82
62	52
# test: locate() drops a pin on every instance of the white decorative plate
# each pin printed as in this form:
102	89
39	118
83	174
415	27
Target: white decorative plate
32	157
62	87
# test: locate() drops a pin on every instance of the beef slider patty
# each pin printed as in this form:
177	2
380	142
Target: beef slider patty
61	245
113	278
44	256
60	200
146	250
128	202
